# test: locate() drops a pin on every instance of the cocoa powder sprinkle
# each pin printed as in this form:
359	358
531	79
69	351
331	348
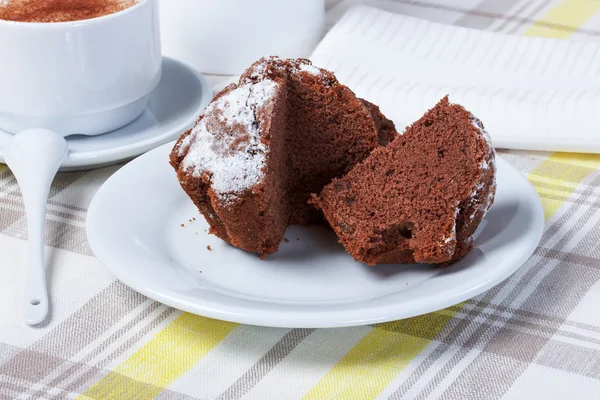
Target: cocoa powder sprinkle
60	10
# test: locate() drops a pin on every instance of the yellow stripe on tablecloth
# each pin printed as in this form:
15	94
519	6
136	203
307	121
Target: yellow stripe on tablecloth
368	368
379	357
561	174
569	13
165	358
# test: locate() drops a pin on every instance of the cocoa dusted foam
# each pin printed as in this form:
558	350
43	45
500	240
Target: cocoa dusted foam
60	10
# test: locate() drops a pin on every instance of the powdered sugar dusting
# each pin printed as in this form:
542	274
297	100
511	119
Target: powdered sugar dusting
233	165
479	125
490	198
311	69
485	163
262	68
453	233
488	162
258	70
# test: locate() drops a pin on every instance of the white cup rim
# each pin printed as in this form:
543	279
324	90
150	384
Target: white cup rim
80	22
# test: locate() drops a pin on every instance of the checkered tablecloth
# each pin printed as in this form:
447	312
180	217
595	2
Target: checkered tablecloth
535	336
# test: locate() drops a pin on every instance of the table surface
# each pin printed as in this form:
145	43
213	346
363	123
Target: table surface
536	335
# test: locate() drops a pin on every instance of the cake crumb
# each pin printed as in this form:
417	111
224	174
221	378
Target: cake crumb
297	238
200	271
193	219
263	256
208	248
286	240
182	225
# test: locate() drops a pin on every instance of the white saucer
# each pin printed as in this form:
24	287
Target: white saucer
134	228
173	107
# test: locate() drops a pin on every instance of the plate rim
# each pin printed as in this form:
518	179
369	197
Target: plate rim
207	310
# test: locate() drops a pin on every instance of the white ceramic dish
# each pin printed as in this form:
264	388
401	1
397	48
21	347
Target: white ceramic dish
134	228
173	107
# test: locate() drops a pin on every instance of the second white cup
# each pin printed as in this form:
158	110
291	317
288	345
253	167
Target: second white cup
226	36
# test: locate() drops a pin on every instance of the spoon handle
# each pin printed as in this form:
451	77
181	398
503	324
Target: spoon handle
34	157
36	293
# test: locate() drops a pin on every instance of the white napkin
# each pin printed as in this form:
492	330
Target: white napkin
531	93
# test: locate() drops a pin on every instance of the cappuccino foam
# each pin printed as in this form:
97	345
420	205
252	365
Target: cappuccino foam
60	10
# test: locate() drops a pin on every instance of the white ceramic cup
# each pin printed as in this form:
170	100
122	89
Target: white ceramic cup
82	77
226	36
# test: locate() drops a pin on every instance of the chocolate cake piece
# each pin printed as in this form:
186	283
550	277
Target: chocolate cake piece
386	130
421	198
230	165
265	144
329	129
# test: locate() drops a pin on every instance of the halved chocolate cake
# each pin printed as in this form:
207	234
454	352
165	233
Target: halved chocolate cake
264	145
419	199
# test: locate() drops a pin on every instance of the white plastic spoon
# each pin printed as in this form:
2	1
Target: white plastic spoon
34	157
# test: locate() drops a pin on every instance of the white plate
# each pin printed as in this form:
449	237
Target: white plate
134	228
173	107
